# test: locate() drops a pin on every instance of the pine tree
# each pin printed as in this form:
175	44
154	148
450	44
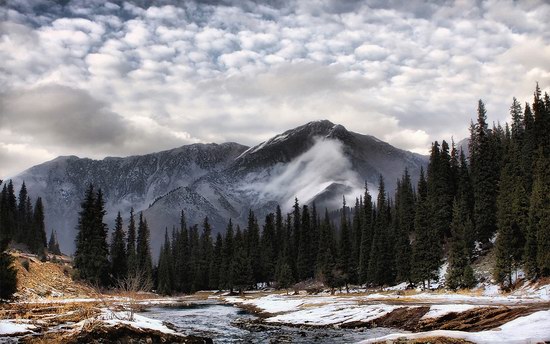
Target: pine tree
512	217
165	267
538	242
131	245
53	245
226	271
241	265
253	246
8	274
404	226
484	176
458	257
38	229
143	251
215	264
381	264
268	254
304	264
344	253
425	264
24	231
91	257
366	237
119	263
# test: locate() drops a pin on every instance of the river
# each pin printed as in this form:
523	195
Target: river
229	324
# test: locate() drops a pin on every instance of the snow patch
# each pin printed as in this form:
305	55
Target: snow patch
334	314
533	328
12	327
437	311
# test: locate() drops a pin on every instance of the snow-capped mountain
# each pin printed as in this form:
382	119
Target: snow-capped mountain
319	161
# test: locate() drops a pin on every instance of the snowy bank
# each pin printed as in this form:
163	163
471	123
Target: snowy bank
533	328
14	328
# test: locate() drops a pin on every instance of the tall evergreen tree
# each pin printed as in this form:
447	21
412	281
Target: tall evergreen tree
119	263
538	238
226	271
268	254
53	244
91	257
457	272
484	176
131	245
425	260
366	237
404	203
165	268
144	262
216	263
37	241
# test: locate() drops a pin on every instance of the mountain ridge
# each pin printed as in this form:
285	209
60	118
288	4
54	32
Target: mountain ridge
221	181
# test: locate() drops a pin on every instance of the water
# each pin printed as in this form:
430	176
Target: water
229	324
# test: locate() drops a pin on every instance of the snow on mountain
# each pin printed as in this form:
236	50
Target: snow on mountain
319	161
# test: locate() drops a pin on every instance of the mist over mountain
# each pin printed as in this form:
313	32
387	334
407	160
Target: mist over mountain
317	162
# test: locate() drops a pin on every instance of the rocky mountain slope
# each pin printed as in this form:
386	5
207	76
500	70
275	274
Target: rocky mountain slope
319	161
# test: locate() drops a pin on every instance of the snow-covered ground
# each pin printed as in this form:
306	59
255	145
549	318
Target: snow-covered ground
533	328
15	327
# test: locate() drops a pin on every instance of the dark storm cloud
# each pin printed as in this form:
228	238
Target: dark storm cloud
61	115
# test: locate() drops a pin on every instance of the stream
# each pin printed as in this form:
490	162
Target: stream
229	324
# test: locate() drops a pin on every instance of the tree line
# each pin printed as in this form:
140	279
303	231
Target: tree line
20	223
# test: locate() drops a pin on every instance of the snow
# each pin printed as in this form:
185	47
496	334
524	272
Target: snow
139	321
270	303
334	314
437	311
13	327
111	318
533	328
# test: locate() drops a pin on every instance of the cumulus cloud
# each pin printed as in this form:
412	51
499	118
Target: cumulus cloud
171	72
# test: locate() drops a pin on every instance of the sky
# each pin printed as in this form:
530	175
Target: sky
94	78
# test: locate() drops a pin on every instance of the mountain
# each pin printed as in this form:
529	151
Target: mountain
317	162
134	181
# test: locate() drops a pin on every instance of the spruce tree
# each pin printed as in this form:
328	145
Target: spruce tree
404	213
38	241
485	176
215	264
241	265
226	271
119	263
344	252
538	241
366	237
91	257
165	268
53	245
512	217
131	246
268	254
143	251
425	261
304	264
458	257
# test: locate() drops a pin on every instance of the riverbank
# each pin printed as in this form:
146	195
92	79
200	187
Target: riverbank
396	316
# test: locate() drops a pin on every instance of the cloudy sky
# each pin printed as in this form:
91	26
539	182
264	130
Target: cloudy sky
96	78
